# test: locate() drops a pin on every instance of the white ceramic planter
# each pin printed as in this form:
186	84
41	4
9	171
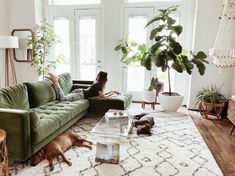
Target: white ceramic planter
148	96
170	103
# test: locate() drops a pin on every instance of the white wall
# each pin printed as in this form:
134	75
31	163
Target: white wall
206	28
3	31
21	15
112	27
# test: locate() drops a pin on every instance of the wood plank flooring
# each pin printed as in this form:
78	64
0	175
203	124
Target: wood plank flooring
217	138
216	135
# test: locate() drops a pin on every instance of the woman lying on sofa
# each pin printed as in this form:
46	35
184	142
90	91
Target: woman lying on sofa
96	89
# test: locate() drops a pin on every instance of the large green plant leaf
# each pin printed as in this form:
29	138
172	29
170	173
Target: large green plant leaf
156	18
177	48
170	21
155	31
177	29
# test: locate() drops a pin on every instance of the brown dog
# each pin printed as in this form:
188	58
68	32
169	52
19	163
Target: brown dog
58	146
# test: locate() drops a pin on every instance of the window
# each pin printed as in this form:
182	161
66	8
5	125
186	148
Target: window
87	43
62	49
73	2
135	72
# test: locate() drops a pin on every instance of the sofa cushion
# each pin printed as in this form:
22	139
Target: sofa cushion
52	116
102	105
65	82
40	93
14	97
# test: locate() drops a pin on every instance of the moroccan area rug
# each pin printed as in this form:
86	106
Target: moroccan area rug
176	148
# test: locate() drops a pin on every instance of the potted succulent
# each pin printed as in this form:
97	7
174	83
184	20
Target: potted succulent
210	98
167	53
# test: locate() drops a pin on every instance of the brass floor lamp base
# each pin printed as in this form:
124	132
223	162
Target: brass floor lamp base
9	63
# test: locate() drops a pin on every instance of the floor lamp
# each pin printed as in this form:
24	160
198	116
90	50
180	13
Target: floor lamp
7	43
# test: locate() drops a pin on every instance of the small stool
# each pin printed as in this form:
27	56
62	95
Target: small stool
143	103
3	154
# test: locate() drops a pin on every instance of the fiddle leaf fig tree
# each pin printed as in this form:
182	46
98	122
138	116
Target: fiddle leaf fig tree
166	52
45	38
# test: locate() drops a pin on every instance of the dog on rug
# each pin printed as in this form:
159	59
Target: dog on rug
143	123
58	146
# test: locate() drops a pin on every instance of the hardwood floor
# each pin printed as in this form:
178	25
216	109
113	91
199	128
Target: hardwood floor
216	135
217	138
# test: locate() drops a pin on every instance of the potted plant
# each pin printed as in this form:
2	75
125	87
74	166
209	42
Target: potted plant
44	39
210	98
167	53
133	52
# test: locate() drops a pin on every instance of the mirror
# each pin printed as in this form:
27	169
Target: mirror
25	52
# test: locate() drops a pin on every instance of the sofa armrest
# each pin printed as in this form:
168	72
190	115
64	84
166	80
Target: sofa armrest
81	84
16	123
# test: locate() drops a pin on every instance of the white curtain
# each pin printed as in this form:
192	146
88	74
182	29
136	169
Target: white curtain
223	51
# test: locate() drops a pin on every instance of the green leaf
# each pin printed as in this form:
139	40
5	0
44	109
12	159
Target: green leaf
170	21
177	29
142	48
177	67
177	48
156	47
146	62
201	55
124	50
157	18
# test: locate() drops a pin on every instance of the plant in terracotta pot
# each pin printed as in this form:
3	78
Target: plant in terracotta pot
209	99
167	53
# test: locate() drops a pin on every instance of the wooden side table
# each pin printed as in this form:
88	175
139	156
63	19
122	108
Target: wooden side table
3	154
231	113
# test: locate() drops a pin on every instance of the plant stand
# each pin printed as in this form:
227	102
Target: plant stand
143	103
205	110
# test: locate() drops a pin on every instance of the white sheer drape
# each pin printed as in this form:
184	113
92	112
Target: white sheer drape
223	51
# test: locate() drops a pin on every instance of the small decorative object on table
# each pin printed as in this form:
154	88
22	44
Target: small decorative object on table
107	152
3	154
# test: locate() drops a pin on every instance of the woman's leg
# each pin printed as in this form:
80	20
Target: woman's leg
77	94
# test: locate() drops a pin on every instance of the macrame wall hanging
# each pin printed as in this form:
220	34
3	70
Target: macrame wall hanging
223	51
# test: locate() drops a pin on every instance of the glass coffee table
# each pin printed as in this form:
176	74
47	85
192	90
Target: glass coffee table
114	128
112	133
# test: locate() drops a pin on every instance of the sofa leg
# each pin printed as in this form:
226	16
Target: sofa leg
232	129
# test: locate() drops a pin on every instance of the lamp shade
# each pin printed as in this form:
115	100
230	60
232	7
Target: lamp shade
9	42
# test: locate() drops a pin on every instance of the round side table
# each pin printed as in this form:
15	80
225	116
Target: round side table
3	154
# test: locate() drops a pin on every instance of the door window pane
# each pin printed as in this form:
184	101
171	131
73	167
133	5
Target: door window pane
87	43
62	49
137	30
135	72
73	2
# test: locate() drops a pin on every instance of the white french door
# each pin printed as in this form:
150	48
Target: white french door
88	43
135	77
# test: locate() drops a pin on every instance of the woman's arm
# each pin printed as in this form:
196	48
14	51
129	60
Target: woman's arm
105	95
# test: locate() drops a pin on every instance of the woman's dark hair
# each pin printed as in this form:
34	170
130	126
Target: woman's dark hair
102	78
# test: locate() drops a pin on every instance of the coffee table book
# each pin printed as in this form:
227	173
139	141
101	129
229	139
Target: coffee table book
108	152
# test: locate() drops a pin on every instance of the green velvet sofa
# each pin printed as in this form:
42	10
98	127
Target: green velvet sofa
32	116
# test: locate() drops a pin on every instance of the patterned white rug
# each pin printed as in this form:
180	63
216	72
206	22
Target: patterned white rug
176	148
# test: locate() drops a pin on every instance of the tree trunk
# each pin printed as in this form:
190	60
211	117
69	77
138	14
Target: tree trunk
169	80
